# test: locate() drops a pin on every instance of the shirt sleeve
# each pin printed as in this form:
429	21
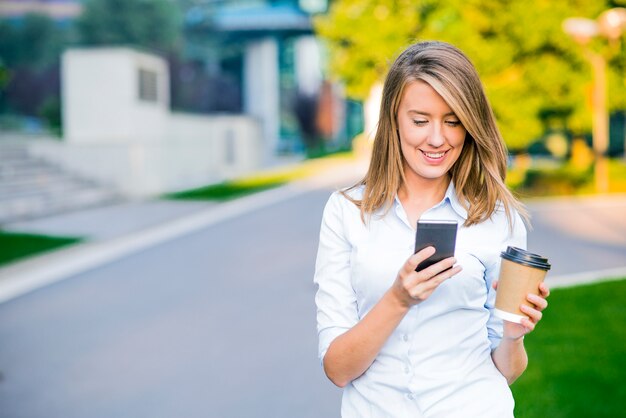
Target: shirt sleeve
335	298
516	238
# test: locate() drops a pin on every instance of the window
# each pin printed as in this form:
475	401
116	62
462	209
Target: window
229	147
148	85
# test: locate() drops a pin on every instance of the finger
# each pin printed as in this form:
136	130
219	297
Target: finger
443	276
430	273
543	288
528	324
422	288
437	268
495	285
413	261
539	302
533	314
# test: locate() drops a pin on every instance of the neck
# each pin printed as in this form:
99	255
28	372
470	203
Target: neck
418	195
418	189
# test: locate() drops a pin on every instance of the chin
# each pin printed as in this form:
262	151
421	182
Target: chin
432	174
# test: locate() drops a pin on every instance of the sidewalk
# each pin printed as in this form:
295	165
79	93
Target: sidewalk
111	221
115	231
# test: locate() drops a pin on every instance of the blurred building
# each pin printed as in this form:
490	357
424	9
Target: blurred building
56	9
269	48
254	57
248	86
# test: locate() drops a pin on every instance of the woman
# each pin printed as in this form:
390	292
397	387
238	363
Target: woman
409	344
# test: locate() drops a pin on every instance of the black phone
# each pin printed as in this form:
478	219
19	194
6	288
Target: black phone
439	234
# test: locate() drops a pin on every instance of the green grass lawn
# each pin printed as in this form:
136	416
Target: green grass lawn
577	356
14	246
227	190
261	181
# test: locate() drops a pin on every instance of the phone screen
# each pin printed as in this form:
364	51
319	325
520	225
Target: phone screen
439	234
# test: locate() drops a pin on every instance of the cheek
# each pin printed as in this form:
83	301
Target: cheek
408	145
460	138
457	141
409	137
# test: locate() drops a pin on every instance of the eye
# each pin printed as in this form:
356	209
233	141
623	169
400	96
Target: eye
420	122
453	123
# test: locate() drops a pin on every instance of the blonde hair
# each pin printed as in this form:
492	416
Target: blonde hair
480	170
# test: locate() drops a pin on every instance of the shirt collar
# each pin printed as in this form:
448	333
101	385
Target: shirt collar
453	199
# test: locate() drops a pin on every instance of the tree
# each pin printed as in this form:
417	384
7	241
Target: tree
29	63
35	42
153	24
530	68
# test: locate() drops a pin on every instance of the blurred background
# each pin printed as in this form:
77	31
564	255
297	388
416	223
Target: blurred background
164	165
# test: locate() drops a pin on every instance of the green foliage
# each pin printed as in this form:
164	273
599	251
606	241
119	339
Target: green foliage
35	43
4	75
153	24
565	179
364	36
577	356
29	60
50	111
526	61
16	246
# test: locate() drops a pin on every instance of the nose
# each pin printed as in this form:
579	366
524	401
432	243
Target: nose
436	138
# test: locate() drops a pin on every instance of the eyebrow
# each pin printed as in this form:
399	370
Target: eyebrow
419	112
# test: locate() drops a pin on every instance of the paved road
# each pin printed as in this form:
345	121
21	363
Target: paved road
580	235
220	323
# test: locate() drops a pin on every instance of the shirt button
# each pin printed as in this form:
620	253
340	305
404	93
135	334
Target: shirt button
410	396
407	369
405	338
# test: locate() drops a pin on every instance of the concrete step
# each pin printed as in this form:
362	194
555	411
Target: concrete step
60	187
28	207
15	168
13	152
31	187
51	181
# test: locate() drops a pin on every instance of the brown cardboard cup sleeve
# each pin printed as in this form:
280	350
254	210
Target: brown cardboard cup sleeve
521	272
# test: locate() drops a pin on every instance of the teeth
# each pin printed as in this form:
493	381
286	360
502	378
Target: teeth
434	154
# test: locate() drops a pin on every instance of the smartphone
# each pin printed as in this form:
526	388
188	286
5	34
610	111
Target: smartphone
439	234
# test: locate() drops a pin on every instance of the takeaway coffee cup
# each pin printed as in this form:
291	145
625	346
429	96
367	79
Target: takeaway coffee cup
520	274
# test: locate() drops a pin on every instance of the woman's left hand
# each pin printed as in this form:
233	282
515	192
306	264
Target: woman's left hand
515	331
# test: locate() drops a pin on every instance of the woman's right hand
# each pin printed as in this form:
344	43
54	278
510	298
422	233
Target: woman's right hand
412	287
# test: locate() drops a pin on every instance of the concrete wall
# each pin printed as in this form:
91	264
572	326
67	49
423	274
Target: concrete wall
261	88
206	150
132	141
308	65
101	102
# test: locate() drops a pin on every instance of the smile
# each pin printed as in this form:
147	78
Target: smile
434	155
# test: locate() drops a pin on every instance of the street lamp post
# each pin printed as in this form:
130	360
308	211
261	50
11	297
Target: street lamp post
611	24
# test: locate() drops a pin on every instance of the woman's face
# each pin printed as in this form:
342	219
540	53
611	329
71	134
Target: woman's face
431	136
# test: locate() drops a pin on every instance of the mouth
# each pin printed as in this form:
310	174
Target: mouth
434	156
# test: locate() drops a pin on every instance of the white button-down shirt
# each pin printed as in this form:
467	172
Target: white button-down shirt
437	362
